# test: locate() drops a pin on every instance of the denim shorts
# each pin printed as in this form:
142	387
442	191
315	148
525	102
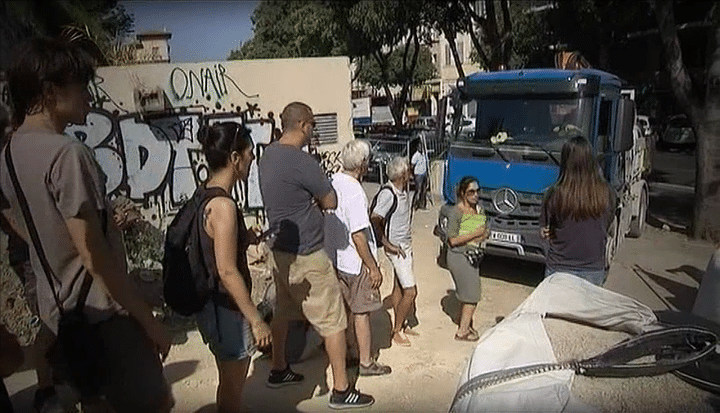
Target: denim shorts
596	277
228	335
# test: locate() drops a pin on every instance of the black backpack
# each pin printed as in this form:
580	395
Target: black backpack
187	283
386	220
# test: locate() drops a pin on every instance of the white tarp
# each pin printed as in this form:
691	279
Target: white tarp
521	340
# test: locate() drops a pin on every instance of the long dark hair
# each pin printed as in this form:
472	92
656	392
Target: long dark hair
43	61
222	139
581	192
463	185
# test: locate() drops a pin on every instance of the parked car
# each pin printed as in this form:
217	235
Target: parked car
678	134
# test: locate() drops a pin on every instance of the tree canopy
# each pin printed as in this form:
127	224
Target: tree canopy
305	28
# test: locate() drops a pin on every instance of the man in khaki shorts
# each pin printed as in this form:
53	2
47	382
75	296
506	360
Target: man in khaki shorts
295	190
350	243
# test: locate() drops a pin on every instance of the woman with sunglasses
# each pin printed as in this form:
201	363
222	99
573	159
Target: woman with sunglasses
466	229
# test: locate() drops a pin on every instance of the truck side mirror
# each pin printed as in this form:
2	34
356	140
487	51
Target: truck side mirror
624	127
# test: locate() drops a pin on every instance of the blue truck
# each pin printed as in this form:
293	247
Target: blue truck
522	118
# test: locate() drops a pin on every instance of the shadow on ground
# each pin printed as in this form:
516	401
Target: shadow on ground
682	296
513	270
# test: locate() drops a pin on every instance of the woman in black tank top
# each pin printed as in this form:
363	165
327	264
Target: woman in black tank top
230	323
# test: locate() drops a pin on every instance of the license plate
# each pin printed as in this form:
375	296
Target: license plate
504	237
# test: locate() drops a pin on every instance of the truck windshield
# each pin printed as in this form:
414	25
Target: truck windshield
542	121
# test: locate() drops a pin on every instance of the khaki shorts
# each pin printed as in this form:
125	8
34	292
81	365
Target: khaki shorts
307	288
359	295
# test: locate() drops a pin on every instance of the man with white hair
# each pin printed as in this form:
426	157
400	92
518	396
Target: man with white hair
351	246
391	216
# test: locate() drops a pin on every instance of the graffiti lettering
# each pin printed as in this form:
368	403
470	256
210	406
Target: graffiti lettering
192	85
158	163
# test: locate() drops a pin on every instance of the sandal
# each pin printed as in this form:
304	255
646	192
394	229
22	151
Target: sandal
409	331
469	336
400	340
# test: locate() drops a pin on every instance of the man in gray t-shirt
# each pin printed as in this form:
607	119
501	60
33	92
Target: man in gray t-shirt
295	191
290	181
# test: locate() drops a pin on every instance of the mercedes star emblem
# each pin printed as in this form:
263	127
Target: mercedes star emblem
505	200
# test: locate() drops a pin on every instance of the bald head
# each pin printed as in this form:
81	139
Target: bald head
293	114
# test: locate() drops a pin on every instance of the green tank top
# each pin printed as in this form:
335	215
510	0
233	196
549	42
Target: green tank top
470	223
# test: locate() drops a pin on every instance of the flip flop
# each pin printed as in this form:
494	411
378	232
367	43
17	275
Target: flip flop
469	336
401	341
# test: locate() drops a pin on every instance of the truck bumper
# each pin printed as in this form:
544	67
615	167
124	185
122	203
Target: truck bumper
530	247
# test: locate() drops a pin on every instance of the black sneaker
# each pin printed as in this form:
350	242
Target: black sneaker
280	378
349	399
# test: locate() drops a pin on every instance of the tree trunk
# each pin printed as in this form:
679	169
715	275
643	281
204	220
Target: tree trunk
704	118
707	185
450	36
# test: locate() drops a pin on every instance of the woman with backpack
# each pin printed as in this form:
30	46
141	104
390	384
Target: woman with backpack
576	214
229	323
466	229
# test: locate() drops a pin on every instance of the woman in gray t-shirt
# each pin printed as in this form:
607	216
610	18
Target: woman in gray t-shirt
576	214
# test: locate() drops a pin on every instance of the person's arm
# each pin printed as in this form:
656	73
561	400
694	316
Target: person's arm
361	246
223	227
103	265
328	201
312	177
378	223
545	229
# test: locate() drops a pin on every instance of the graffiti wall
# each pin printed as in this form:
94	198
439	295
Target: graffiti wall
145	118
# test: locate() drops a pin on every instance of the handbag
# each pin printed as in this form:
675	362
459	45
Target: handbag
75	354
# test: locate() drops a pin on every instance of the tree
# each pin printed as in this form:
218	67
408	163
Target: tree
105	21
498	38
503	33
304	28
388	36
450	19
701	102
371	73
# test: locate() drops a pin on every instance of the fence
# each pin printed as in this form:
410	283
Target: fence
382	151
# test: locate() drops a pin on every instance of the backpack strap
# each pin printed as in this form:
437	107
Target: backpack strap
390	212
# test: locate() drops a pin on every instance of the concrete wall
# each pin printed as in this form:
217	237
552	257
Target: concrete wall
146	142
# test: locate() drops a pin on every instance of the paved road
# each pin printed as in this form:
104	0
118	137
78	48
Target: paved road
672	184
676	168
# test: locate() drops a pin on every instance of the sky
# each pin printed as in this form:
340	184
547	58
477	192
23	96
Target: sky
201	30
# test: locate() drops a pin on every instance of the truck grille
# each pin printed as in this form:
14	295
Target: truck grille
525	215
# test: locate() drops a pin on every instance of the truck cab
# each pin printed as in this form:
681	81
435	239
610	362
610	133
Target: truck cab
522	118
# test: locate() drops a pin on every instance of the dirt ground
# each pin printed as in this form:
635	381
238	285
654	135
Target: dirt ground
661	269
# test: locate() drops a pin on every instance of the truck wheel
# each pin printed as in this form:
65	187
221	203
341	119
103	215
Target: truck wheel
610	243
637	225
